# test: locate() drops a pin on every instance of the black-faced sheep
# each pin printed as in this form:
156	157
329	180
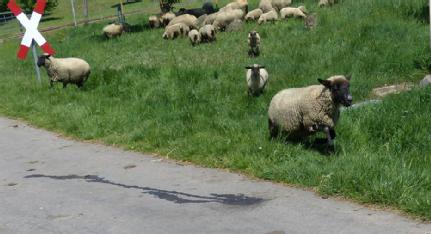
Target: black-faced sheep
154	21
207	33
65	70
254	14
253	44
166	18
256	77
195	37
300	112
173	31
114	29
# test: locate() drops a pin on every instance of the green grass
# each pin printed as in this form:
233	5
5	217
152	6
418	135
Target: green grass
166	97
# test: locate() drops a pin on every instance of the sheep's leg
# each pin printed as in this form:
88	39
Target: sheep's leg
273	129
80	84
64	85
330	134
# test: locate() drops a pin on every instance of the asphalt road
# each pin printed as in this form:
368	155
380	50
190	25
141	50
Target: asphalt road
52	185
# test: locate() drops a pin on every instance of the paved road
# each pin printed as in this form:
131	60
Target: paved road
52	185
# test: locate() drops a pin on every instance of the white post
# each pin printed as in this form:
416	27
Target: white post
33	48
73	12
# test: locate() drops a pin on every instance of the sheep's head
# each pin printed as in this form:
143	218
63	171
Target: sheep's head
41	60
255	69
340	89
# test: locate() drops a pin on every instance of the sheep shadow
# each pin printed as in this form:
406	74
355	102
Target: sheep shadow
168	195
319	145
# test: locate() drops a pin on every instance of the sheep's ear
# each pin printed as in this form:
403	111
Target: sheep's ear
349	77
247	67
262	66
326	83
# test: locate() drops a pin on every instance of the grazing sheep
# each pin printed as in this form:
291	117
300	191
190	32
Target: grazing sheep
265	5
207	33
280	4
235	25
190	20
243	5
65	70
201	20
154	21
292	12
113	30
269	16
323	3
223	19
310	21
173	31
300	112
253	43
195	37
254	14
257	77
211	18
166	18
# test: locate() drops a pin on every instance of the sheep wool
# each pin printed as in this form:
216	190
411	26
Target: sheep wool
207	33
113	30
65	70
154	21
269	16
166	18
280	4
223	19
323	3
292	12
297	111
254	14
189	20
256	77
265	5
194	37
173	31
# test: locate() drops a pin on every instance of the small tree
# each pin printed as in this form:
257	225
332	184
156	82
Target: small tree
28	5
167	5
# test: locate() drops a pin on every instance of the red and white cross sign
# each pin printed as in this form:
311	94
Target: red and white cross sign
31	28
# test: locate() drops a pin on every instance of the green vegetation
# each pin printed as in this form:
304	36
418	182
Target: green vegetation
190	103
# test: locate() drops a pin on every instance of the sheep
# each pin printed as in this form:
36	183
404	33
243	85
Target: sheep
300	112
201	20
154	21
189	20
173	31
207	8
310	22
65	70
235	6
235	25
292	12
280	4
269	16
265	5
166	18
253	43
254	14
210	18
207	33
257	77
223	19
113	30
195	37
323	3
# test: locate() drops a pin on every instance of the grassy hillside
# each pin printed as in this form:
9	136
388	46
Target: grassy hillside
190	103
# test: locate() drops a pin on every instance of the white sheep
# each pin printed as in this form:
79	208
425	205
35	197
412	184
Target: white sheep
269	16
190	20
243	5
293	12
280	4
195	37
207	33
166	18
223	19
256	77
323	3
154	21
173	31
65	70
254	14
253	43
300	112
265	5
210	18
113	30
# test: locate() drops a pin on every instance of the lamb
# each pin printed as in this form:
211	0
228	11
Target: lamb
323	3
269	16
65	70
189	20
253	43
166	18
207	33
195	37
113	30
254	14
265	5
280	4
257	77
154	21
293	12
173	31
300	112
223	19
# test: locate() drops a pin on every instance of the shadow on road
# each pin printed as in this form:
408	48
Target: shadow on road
173	196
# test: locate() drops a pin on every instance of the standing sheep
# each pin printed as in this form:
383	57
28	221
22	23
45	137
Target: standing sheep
269	16
253	44
65	70
189	20
223	19
195	37
254	14
293	12
257	77
207	33
113	30
265	5
280	4
300	112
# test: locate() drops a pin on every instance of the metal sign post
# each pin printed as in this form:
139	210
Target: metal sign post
72	2
120	13
33	49
86	11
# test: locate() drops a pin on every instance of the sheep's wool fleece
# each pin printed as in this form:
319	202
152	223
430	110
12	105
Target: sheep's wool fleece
113	29
297	109
67	69
190	20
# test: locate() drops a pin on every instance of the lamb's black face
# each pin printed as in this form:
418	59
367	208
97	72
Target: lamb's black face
41	60
340	89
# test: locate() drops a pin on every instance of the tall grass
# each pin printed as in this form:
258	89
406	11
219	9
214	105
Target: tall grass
190	103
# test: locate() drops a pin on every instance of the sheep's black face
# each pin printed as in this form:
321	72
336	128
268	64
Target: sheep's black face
341	93
41	61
